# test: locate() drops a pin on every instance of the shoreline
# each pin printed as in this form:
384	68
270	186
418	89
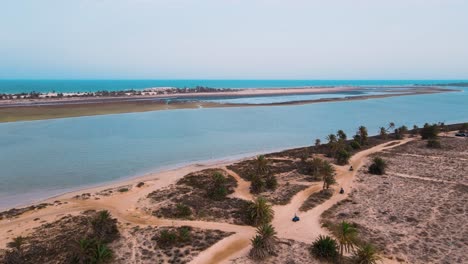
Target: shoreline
151	174
37	110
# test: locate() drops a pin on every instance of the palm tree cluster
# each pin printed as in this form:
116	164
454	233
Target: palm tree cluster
262	178
429	131
378	166
90	251
322	170
260	214
338	147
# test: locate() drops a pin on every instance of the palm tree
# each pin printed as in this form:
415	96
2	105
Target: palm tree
317	142
264	242
325	247
104	226
391	125
258	251
383	133
346	235
328	174
341	134
83	251
362	132
331	138
268	234
260	212
366	254
261	164
101	254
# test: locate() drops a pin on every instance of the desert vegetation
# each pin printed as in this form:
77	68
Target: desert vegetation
72	239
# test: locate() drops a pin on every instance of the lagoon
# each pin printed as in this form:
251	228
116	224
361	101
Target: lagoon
43	158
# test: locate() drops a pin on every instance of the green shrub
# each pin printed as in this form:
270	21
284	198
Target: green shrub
271	182
429	131
366	254
257	184
325	248
378	166
355	145
184	234
166	238
217	190
183	211
433	143
342	157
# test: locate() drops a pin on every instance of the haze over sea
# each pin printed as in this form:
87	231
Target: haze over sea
43	158
64	86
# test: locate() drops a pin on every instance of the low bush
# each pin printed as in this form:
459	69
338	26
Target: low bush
378	166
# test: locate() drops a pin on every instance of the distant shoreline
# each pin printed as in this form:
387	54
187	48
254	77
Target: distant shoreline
51	108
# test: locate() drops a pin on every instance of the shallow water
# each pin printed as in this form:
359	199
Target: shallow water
43	158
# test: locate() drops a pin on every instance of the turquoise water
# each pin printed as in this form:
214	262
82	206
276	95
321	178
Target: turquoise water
18	86
43	158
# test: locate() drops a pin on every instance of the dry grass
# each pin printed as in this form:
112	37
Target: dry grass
418	220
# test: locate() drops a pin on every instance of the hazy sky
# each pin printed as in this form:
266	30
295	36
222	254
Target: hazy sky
246	39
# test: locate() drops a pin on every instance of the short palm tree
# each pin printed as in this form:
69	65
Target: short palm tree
346	235
260	212
328	174
104	226
325	247
331	138
391	125
341	134
101	254
362	132
264	242
383	133
83	251
317	142
258	251
268	234
366	254
261	164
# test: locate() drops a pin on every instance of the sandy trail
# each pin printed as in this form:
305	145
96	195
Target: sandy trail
309	227
242	190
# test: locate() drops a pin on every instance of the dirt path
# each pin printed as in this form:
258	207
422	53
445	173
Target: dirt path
242	190
309	227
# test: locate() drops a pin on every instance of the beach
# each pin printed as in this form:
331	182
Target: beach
134	204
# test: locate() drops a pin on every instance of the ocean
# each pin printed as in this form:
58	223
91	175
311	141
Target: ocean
64	86
39	159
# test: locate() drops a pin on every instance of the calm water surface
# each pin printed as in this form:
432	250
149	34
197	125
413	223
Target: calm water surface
43	158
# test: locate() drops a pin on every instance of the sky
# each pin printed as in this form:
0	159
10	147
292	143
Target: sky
227	39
